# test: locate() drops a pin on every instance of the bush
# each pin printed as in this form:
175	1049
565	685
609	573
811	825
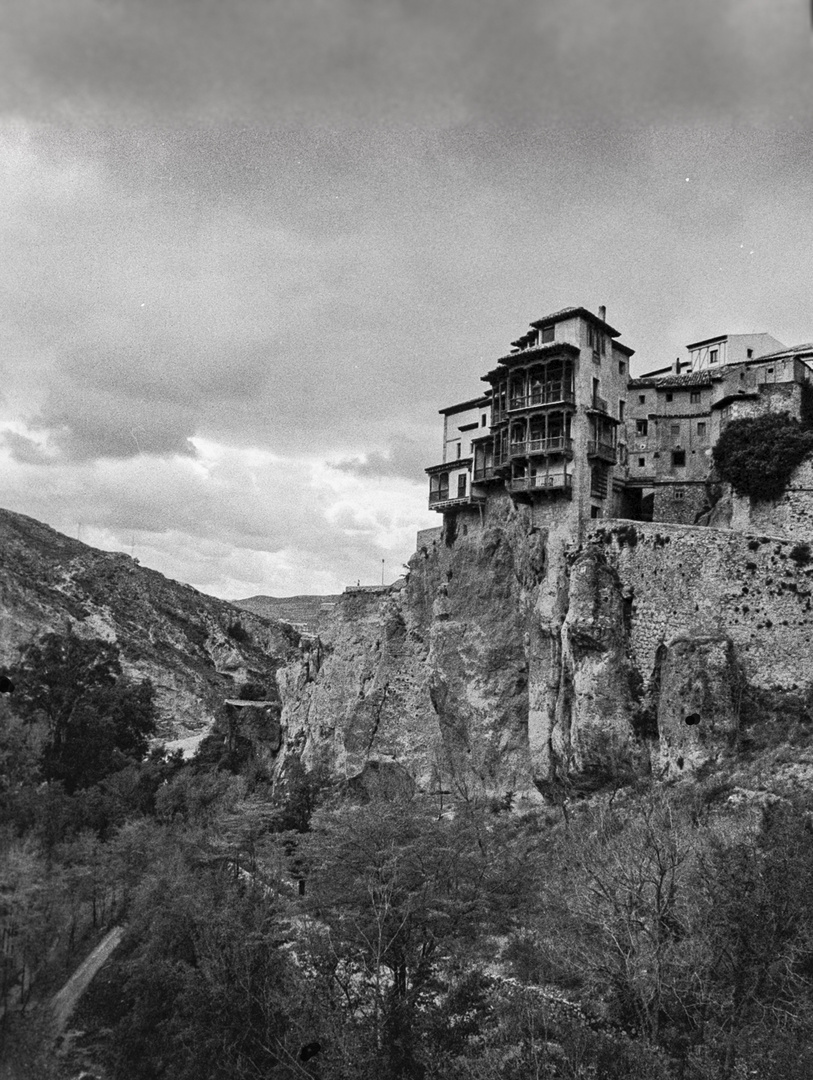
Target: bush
757	456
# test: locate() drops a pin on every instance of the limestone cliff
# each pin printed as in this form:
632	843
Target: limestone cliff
517	661
194	648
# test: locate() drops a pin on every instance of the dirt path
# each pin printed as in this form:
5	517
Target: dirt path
65	1001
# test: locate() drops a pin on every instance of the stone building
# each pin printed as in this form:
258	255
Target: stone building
549	432
566	429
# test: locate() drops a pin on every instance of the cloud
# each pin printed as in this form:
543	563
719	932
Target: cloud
230	521
353	62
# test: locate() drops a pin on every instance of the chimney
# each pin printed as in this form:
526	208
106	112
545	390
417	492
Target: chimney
677	365
602	313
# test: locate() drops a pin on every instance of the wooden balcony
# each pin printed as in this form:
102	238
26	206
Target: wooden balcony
483	474
605	451
541	483
599	405
555	445
557	394
442	500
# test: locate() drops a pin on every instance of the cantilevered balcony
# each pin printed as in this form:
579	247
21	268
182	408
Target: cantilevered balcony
541	483
554	394
446	500
604	451
482	474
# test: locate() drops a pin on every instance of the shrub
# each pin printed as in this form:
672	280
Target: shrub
757	456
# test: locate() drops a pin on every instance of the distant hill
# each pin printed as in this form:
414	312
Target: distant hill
308	613
195	648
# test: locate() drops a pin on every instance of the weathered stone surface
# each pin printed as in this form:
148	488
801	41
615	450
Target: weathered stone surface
698	702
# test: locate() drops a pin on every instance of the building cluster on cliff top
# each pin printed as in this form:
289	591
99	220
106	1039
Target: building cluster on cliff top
563	425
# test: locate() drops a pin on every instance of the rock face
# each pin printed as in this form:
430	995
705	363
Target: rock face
196	650
517	661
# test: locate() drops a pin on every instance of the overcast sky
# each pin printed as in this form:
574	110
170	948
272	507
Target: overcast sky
250	247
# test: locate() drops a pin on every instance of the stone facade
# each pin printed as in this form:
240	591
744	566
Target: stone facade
564	424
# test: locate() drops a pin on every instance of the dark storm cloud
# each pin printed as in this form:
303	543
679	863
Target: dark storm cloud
364	60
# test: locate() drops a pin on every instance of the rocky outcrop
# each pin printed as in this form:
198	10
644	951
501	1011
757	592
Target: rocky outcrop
197	650
517	662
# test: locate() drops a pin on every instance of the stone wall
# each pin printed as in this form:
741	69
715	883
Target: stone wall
680	503
753	590
791	515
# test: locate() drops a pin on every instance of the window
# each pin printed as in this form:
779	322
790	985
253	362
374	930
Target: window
679	494
694	397
622	368
546	334
641	462
621	406
483	419
701	429
679	459
642	399
712	356
459	449
749	353
595	511
641	427
461	486
675	429
669	397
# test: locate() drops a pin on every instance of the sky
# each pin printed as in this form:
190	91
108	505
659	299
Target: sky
250	247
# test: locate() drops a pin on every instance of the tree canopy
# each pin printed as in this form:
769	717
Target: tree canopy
97	720
757	455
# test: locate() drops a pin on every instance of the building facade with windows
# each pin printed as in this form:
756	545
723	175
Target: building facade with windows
555	436
564	428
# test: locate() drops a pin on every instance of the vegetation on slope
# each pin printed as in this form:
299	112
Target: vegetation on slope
280	930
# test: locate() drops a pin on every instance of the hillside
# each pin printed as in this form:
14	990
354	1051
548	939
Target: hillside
309	613
196	649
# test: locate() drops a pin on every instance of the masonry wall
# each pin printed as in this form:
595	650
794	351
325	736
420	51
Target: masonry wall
694	580
790	516
680	503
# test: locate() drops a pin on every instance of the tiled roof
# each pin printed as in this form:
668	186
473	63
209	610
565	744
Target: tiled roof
794	350
693	378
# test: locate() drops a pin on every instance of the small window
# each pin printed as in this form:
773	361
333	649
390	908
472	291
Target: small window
712	356
622	368
546	334
642	399
461	486
679	458
483	419
675	429
679	494
641	427
669	397
621	406
694	397
770	371
641	462
749	353
459	449
595	511
701	428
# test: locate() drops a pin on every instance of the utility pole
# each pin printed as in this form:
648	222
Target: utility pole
382	571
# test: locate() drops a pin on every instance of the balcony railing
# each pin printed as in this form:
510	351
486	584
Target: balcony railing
554	444
541	482
601	449
441	500
555	394
599	404
483	473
